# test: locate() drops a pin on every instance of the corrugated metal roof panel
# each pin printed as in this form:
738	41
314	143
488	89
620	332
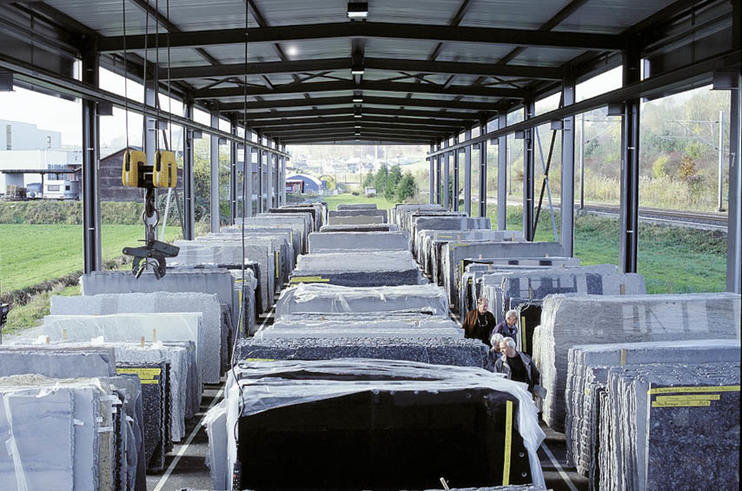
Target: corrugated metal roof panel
512	14
291	12
610	16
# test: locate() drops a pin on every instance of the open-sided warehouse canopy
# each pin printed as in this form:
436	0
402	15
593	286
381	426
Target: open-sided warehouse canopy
406	72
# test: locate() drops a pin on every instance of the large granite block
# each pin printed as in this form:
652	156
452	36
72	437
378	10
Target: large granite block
358	213
372	413
310	213
355	219
447	222
372	227
378	268
327	299
587	376
401	214
57	361
356	206
674	426
297	225
356	325
156	302
320	242
453	255
567	320
216	281
194	252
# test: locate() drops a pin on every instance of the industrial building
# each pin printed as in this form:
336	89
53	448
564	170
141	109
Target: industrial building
296	346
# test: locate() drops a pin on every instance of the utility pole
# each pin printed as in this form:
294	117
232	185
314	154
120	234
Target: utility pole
721	161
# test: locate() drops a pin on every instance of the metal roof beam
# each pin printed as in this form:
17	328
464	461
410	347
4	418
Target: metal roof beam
335	119
378	101
365	124
365	85
390	64
364	110
488	35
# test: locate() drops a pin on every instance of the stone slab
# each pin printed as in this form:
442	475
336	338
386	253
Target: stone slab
321	242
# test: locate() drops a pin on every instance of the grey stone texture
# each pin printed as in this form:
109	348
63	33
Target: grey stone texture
355	219
157	302
321	242
373	227
377	268
327	299
568	320
587	377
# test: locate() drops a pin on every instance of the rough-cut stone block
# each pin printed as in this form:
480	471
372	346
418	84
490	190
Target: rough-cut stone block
156	302
355	220
373	227
326	299
378	268
567	320
320	242
454	254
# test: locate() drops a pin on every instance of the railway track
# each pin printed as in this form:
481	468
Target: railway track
698	220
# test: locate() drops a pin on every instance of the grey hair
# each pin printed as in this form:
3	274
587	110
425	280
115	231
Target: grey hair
509	341
481	300
511	313
496	338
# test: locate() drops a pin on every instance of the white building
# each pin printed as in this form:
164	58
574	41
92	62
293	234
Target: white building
25	146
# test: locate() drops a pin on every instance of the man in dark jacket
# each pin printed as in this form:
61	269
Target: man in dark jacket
509	327
479	323
516	365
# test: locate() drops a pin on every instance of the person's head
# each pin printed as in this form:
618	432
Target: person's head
511	317
495	341
507	346
482	305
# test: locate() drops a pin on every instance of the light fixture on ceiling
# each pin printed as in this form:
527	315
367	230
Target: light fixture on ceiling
358	115
357	10
357	70
292	51
357	99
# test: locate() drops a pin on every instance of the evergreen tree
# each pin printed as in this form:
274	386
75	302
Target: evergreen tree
392	181
407	187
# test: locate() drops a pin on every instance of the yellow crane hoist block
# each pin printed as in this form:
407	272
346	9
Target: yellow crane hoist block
133	160
165	173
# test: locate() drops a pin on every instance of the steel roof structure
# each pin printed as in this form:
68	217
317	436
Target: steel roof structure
429	72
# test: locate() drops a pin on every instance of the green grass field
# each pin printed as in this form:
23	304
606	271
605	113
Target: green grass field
32	254
380	202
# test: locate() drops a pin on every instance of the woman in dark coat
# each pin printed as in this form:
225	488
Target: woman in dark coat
479	323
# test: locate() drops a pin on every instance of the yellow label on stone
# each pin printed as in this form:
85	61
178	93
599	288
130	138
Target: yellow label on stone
682	403
146	375
309	279
706	388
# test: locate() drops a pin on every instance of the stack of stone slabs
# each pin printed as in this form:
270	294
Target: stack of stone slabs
426	228
402	214
358	213
347	325
429	397
57	433
131	328
587	375
355	219
568	320
216	281
372	227
371	268
156	302
453	255
57	361
230	252
505	290
309	213
296	226
305	219
320	242
434	246
673	426
475	269
320	211
155	379
356	206
286	256
327	300
355	340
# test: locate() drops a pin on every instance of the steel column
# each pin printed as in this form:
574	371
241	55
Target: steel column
483	176
233	174
528	173
431	176
456	183
214	190
467	175
92	260
446	171
247	176
502	174
189	185
567	205
261	184
438	175
629	231
734	230
269	178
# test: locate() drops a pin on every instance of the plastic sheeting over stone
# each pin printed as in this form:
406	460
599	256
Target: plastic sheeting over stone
568	320
327	299
378	268
412	397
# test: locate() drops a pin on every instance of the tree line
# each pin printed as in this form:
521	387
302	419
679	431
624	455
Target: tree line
392	183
